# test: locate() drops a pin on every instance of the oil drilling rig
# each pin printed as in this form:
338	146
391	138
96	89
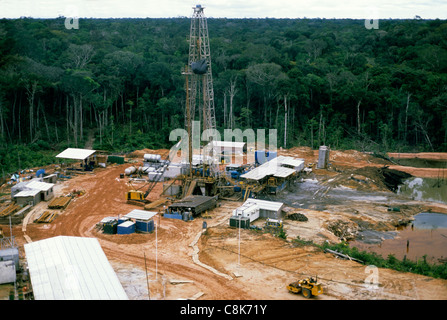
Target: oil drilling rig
200	101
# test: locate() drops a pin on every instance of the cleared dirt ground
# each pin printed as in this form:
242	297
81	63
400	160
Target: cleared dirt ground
225	263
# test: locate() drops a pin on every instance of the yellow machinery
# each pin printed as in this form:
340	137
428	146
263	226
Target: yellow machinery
309	287
136	197
273	224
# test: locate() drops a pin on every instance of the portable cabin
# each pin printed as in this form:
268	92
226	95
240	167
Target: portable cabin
110	227
240	222
7	272
127	227
27	197
256	208
193	204
143	220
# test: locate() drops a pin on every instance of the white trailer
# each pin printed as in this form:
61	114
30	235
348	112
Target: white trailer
250	211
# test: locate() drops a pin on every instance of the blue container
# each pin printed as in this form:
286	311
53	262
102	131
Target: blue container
127	227
262	156
237	188
40	173
144	226
121	220
235	174
271	155
173	216
259	156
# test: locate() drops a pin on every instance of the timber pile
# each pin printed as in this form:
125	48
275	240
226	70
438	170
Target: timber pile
46	217
59	203
10	209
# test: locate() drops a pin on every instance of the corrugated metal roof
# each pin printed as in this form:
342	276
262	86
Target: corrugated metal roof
39	185
108	219
126	224
140	214
264	204
226	144
71	268
253	204
283	172
75	153
275	168
294	162
27	193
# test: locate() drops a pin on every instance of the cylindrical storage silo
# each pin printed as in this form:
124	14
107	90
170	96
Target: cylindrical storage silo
130	170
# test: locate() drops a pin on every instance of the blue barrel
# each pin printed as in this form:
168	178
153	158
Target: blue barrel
40	173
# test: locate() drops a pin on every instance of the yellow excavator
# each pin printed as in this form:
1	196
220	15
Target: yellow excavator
309	287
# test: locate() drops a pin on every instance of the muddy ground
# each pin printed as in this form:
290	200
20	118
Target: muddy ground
226	263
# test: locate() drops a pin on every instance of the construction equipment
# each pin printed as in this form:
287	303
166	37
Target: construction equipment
309	287
137	197
273	224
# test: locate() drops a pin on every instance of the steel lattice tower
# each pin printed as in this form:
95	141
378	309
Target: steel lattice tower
199	81
199	84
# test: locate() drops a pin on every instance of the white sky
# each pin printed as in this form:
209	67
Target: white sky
361	9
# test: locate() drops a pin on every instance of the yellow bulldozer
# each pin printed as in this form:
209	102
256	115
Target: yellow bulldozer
309	287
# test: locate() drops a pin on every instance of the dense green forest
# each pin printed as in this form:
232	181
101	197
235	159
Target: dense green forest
119	81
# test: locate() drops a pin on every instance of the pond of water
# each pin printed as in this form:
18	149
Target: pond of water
427	235
424	189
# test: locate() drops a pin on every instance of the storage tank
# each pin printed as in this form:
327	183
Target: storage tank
130	170
152	157
146	169
323	157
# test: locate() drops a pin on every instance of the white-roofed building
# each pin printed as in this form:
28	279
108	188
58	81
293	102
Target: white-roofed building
253	209
140	215
87	157
76	154
71	268
32	192
280	166
275	173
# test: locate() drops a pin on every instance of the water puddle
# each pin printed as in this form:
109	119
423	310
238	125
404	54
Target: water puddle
424	189
427	235
421	163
